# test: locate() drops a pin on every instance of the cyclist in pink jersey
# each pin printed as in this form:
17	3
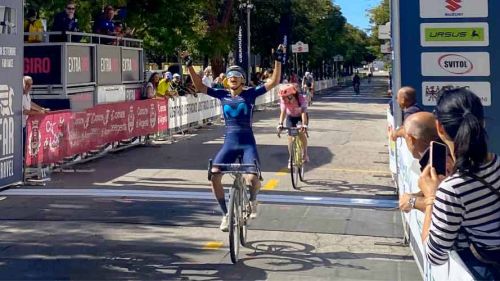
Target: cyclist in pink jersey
294	108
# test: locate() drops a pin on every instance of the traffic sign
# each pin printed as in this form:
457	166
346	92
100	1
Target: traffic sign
300	47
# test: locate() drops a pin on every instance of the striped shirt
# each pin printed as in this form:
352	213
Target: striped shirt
464	205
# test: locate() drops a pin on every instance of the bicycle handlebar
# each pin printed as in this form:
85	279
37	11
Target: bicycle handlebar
291	128
234	168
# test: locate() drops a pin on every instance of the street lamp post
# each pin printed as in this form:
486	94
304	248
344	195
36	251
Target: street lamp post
248	6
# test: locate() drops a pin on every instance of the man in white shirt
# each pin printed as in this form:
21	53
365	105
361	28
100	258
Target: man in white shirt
29	107
208	79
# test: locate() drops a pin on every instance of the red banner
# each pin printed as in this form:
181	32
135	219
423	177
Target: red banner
56	135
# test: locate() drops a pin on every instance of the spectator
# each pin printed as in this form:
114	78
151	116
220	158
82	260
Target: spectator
164	87
420	130
407	101
66	21
33	25
29	107
207	77
463	210
219	81
105	25
152	85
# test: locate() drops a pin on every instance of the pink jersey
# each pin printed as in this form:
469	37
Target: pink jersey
292	107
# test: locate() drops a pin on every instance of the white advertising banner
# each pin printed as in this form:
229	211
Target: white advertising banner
109	94
453	8
456	64
430	91
183	111
456	34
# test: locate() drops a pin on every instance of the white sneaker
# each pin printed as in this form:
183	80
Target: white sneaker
224	225
253	205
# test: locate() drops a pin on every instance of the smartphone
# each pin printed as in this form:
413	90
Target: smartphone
439	154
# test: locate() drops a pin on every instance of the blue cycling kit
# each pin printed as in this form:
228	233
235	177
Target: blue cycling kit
239	140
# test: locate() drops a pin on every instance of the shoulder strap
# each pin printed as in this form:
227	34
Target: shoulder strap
483	181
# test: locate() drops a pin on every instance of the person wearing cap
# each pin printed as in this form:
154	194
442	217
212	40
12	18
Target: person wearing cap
237	106
294	109
164	89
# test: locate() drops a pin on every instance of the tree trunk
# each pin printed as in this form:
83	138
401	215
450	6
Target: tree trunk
217	64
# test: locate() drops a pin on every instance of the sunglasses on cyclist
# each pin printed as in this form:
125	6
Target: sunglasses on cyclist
231	74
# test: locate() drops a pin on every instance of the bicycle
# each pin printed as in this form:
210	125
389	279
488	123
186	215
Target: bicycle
239	204
297	165
356	88
308	94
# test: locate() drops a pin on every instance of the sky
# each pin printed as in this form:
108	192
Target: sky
355	11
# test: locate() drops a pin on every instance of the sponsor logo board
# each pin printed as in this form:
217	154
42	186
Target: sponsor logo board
454	34
453	8
456	64
430	91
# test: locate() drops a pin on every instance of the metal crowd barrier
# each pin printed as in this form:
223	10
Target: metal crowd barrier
184	114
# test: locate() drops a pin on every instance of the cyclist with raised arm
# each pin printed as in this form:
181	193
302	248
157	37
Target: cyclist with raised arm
237	106
308	87
294	109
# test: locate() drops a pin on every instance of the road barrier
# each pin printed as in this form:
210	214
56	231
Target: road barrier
64	138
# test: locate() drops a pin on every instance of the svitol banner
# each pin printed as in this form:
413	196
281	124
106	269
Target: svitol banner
79	64
56	135
43	64
11	72
109	65
131	72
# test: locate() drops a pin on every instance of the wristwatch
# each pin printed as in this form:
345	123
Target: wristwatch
412	202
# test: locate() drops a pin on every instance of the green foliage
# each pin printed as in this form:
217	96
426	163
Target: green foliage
379	15
208	27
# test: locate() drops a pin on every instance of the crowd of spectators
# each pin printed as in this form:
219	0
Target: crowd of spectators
462	206
67	21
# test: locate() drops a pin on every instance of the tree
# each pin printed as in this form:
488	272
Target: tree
379	15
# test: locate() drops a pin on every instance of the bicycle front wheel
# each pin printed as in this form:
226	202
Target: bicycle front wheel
296	162
234	229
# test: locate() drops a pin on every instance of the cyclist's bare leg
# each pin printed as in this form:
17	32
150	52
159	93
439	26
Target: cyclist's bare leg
303	139
218	190
290	139
254	183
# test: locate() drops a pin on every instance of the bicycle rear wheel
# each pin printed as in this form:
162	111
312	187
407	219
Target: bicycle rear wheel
234	229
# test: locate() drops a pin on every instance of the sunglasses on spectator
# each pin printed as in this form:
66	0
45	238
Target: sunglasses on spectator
231	74
70	8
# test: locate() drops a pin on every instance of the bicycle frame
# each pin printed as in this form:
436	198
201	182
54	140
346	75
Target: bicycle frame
296	158
239	204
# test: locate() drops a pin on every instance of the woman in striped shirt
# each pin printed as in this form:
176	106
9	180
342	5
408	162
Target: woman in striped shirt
460	209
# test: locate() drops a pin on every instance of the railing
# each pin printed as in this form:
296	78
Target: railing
64	138
83	37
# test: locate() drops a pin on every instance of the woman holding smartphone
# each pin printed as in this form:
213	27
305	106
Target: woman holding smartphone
463	210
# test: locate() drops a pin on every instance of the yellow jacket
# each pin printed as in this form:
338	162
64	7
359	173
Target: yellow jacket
36	26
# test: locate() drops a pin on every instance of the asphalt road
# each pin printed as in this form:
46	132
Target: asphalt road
147	213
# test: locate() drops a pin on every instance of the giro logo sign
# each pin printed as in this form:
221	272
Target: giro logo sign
453	8
454	34
456	64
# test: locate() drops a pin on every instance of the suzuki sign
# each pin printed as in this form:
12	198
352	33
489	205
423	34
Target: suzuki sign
453	8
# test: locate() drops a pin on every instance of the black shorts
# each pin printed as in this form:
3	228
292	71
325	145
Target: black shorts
293	121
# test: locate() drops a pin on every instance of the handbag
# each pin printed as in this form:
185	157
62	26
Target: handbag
487	255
